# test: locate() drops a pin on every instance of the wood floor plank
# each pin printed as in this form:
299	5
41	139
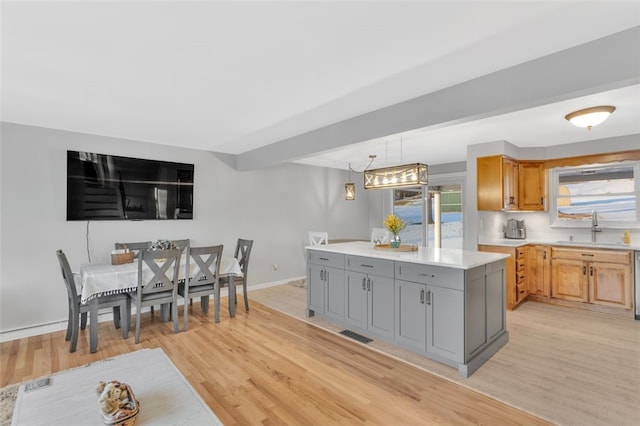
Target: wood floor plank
264	367
567	365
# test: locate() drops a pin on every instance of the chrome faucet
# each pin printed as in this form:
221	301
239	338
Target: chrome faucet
594	225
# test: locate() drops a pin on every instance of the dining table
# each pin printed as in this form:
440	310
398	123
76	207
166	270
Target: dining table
102	279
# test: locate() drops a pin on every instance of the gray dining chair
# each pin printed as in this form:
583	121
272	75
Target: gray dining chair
120	303
242	253
203	280
159	287
136	248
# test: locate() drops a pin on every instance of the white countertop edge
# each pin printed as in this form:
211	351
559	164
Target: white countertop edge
519	243
446	257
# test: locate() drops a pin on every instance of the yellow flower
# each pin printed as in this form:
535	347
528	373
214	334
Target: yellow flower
394	224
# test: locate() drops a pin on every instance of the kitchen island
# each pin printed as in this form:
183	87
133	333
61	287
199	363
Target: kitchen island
445	304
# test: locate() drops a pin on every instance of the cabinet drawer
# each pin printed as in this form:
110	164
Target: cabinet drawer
334	260
613	256
368	265
432	275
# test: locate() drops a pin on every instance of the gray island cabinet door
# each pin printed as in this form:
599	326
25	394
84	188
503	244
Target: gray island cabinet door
334	295
445	322
356	295
381	296
315	292
411	314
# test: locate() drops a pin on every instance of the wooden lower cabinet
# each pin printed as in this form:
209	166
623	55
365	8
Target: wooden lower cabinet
569	280
538	266
598	277
515	272
611	284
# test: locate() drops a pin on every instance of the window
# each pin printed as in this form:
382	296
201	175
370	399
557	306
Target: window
610	190
408	204
417	210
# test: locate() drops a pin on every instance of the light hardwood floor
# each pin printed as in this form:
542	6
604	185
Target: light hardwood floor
566	365
265	367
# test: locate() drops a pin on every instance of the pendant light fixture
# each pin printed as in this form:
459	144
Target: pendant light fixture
590	117
350	188
396	176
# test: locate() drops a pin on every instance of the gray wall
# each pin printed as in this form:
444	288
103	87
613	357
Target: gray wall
274	206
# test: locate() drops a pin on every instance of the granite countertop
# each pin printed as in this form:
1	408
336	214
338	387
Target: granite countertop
505	242
452	258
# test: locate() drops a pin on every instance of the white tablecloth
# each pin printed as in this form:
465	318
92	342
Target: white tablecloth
101	279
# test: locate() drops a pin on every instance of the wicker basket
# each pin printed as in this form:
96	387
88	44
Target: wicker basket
122	417
122	258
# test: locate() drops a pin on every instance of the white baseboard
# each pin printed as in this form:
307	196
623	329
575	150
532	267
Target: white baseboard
21	333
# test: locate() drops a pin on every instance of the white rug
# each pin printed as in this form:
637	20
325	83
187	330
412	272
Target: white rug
165	396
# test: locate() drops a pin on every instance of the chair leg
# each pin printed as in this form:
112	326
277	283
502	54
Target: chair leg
126	317
83	321
185	320
174	315
74	332
246	299
116	316
137	325
69	325
216	304
93	326
204	304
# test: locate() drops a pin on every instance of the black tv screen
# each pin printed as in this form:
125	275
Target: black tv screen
108	187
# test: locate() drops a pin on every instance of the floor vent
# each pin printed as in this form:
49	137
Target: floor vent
356	336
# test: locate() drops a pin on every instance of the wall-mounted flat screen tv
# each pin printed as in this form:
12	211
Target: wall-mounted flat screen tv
108	187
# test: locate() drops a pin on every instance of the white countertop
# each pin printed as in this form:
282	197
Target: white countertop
518	243
452	258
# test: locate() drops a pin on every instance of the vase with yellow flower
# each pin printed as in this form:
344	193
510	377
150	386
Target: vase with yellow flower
394	224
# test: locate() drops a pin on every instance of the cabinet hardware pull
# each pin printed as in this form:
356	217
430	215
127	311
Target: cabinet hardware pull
428	297
366	266
588	254
584	270
591	270
544	255
321	279
542	201
369	284
422	296
323	258
364	285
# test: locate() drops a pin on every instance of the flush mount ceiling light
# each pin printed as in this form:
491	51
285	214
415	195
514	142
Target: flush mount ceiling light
590	117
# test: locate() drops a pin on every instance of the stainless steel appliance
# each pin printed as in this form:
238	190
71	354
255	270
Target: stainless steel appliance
637	284
515	229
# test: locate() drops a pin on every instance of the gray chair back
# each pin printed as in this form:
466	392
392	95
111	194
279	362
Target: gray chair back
136	248
242	253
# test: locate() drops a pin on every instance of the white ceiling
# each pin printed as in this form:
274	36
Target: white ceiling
232	77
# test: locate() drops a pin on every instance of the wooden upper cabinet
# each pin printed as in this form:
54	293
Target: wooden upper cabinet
532	185
497	183
505	184
510	184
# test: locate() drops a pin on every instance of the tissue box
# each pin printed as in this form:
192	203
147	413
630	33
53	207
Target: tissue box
121	258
